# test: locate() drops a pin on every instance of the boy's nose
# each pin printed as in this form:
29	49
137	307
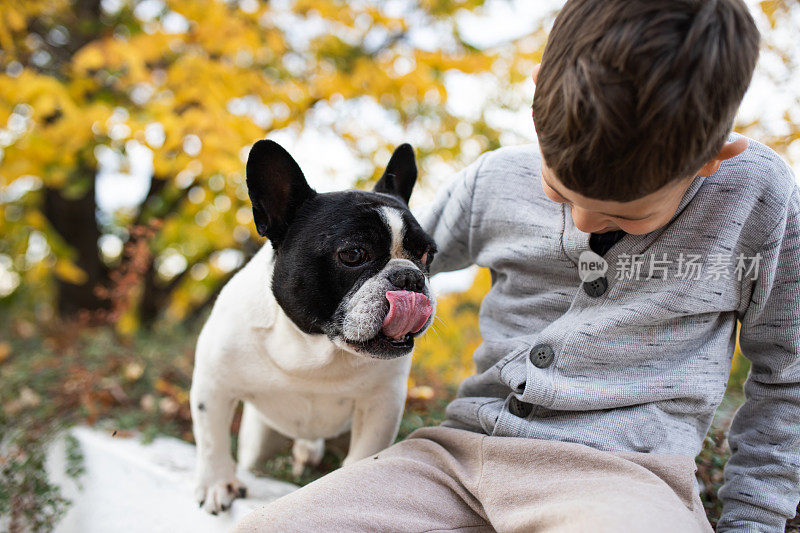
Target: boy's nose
588	222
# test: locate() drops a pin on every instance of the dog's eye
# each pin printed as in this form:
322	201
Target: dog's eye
353	256
427	257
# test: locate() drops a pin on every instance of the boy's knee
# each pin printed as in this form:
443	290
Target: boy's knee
265	519
251	522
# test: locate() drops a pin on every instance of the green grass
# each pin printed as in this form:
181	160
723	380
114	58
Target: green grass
54	378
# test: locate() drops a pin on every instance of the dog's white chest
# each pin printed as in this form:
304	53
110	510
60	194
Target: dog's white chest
304	386
308	389
306	416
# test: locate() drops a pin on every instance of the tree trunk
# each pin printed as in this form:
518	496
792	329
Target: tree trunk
155	297
74	220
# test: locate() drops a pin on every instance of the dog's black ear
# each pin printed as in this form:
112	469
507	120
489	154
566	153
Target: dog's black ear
400	175
277	189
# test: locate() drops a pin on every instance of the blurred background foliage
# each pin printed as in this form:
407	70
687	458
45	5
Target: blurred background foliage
95	95
191	85
124	127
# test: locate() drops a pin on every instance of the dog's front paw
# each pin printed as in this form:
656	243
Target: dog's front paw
218	496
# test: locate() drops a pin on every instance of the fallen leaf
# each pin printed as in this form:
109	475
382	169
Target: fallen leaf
5	350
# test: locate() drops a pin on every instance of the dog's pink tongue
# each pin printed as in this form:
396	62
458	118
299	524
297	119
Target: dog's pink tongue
408	312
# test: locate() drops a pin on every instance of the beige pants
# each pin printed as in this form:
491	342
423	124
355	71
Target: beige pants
443	479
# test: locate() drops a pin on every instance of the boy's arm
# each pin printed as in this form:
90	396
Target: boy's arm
762	477
448	220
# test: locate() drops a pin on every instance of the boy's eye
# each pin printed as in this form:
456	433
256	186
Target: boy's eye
353	257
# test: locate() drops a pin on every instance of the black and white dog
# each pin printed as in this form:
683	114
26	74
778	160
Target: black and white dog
314	333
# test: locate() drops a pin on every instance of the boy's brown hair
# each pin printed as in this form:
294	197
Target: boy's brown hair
635	94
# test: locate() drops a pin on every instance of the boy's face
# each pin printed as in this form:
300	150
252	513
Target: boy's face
600	216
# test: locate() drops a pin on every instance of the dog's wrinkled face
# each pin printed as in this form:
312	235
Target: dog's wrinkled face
351	265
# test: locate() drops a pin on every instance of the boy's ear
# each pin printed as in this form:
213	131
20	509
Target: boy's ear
400	175
277	189
728	150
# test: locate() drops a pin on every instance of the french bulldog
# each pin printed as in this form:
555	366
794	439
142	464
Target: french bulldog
314	333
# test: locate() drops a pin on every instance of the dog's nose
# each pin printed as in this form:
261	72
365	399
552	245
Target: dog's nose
409	279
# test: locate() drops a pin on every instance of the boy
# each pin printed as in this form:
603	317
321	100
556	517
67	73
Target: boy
621	260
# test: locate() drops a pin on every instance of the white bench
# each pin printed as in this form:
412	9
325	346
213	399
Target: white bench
132	487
